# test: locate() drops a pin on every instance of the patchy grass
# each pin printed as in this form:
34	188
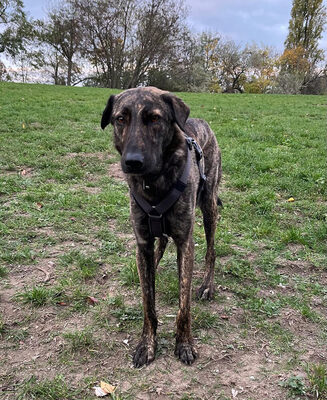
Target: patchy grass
68	277
55	389
36	296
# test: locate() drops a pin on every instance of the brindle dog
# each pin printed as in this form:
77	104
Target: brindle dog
149	133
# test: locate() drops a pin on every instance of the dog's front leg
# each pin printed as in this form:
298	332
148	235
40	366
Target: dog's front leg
145	350
184	349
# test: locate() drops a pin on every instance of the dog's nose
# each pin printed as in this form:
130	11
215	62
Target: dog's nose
134	161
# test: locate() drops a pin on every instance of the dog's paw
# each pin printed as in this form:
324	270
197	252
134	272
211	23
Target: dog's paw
205	292
186	353
144	353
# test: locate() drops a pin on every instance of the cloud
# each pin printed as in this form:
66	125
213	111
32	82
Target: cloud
263	21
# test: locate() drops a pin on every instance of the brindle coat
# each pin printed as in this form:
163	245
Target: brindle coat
149	126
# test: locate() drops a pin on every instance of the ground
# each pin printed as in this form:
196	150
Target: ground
70	303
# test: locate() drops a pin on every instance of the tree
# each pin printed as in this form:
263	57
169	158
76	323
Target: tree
125	39
262	71
14	27
184	70
158	32
306	25
233	63
62	33
107	27
301	57
4	76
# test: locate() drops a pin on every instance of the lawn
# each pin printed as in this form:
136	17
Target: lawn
70	304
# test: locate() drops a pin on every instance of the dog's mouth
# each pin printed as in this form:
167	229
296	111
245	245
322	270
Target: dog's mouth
133	170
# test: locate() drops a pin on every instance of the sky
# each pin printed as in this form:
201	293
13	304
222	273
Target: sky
245	21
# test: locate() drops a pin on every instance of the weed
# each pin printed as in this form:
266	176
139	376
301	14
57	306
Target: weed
78	266
317	377
37	296
79	340
129	274
296	385
203	319
128	315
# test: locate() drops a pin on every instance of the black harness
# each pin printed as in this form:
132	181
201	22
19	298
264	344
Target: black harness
156	213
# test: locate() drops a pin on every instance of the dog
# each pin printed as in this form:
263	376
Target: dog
160	148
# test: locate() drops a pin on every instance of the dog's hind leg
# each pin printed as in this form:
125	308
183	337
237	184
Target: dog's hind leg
160	249
145	350
210	212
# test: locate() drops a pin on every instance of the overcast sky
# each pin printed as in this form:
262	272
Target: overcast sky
245	21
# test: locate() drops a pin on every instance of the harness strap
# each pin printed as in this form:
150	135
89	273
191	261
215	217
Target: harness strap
199	155
156	213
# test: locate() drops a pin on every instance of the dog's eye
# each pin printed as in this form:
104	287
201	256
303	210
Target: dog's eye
154	118
121	120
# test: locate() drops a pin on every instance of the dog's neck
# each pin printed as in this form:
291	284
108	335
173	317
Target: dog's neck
155	187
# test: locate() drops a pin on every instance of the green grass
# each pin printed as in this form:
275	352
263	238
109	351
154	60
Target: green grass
58	203
55	389
36	296
79	340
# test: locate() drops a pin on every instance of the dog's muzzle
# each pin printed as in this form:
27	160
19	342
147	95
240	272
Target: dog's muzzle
133	163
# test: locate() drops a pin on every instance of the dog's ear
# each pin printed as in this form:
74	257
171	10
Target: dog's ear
106	115
179	109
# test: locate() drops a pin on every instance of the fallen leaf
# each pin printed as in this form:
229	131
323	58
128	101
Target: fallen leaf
234	393
106	387
39	205
291	199
92	300
224	317
23	125
62	303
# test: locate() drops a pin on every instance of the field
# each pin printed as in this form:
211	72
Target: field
70	304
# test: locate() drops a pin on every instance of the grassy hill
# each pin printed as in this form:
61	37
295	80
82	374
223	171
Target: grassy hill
70	311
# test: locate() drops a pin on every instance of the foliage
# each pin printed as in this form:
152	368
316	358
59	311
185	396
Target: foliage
15	28
301	57
317	376
296	385
306	25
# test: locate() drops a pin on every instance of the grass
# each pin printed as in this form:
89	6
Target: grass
79	340
37	296
55	389
58	204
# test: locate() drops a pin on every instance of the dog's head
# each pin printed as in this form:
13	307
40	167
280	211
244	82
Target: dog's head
146	122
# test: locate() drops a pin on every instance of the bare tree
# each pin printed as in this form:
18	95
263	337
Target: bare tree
124	40
107	26
159	29
62	33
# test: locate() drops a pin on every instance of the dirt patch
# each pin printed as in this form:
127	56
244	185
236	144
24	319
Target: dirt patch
22	171
116	172
100	155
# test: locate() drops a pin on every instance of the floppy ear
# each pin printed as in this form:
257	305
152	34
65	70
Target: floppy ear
106	115
179	109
